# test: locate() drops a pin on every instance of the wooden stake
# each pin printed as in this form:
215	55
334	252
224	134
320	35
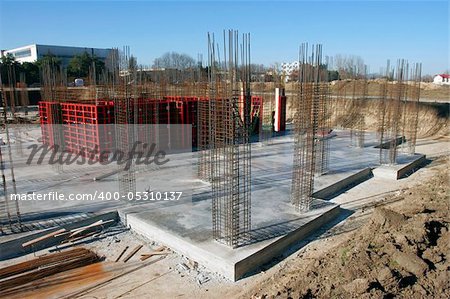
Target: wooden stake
135	250
122	253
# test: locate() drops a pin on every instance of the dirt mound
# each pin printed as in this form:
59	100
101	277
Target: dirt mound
403	250
430	86
433	118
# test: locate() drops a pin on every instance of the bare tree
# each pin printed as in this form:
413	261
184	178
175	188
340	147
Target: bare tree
174	60
349	66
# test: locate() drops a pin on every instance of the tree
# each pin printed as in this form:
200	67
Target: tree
50	60
9	69
81	65
174	60
31	72
8	59
333	75
350	66
132	63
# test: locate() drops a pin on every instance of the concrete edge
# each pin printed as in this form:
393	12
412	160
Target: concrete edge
13	248
181	246
387	144
231	270
335	188
399	171
280	246
411	167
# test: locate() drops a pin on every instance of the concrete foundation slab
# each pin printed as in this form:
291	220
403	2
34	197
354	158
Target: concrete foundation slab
188	231
405	166
185	225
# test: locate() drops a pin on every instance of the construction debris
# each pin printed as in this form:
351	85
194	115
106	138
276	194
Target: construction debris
202	278
157	251
43	238
132	253
72	235
121	254
80	230
182	267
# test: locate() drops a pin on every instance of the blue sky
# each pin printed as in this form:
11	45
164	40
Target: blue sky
375	30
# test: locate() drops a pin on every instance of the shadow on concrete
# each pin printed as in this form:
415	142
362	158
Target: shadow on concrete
344	214
282	228
37	216
13	248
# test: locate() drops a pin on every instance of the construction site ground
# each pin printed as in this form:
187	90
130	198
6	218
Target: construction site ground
350	259
365	255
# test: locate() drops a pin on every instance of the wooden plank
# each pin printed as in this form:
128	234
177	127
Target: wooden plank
122	253
82	229
157	251
79	229
147	256
71	240
135	250
44	237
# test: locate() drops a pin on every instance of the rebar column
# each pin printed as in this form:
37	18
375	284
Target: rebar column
230	102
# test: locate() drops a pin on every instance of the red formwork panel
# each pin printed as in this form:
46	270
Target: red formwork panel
88	128
144	116
187	108
202	126
50	120
256	112
182	111
169	113
83	123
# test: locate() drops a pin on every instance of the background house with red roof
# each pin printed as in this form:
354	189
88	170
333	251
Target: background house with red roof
442	79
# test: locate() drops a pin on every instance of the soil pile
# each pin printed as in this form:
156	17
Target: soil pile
403	250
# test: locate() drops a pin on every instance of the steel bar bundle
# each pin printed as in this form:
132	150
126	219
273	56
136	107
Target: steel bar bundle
54	90
123	90
15	276
391	113
230	101
360	120
309	94
13	215
399	95
322	138
204	153
411	109
383	112
265	116
356	109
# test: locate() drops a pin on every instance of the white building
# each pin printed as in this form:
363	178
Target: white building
442	79
31	53
288	68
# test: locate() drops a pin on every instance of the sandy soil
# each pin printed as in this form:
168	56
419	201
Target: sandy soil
401	250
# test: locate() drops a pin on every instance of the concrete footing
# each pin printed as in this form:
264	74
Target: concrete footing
339	186
269	239
402	169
